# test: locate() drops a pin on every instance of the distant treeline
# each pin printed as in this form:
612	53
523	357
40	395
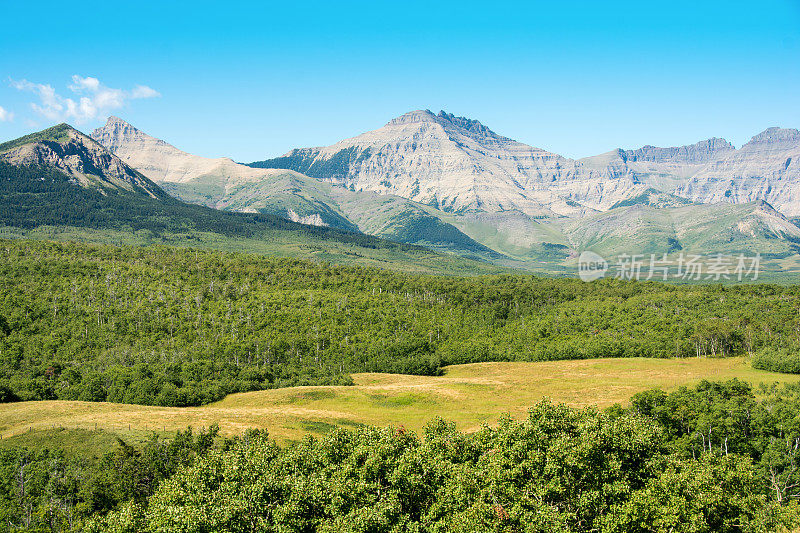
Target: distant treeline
173	326
712	458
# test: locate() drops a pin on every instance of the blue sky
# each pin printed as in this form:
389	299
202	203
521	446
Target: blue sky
253	80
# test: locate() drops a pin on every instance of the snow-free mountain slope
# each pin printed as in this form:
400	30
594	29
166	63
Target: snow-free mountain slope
81	158
162	162
704	229
766	168
224	184
453	163
459	165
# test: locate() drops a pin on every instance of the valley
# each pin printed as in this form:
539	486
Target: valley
446	267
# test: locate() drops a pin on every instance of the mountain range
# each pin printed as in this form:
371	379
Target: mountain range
61	184
459	165
437	180
453	184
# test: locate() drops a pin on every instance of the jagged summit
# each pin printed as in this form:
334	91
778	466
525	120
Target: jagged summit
775	136
118	133
412	117
447	120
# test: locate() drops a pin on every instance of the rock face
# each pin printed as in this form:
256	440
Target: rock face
80	157
452	163
766	168
698	153
162	162
314	219
459	165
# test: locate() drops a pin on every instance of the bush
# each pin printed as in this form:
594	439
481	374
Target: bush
777	360
7	395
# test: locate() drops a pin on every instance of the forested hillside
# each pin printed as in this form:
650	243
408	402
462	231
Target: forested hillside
174	326
45	203
40	196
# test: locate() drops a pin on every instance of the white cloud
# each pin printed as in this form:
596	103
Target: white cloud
6	116
79	84
143	91
92	99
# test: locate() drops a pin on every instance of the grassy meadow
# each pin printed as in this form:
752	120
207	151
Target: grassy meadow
470	395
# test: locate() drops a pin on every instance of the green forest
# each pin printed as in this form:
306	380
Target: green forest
718	457
35	196
177	327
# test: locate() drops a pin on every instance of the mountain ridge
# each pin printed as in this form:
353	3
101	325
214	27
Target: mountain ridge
624	177
459	165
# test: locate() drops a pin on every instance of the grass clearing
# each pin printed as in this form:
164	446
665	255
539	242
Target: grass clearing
469	395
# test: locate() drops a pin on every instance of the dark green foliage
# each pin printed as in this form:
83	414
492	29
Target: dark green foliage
723	419
171	326
6	394
645	199
786	359
305	161
551	251
419	227
562	470
56	133
47	490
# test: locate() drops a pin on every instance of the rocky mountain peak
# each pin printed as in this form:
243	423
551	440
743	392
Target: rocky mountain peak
778	137
117	132
82	158
413	117
117	124
463	125
473	127
116	121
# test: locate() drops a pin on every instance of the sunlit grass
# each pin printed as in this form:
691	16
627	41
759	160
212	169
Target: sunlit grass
469	395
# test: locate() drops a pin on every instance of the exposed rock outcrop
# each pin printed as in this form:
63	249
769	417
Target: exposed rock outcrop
80	157
459	165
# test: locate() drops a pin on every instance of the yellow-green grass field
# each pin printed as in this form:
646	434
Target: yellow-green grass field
469	395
